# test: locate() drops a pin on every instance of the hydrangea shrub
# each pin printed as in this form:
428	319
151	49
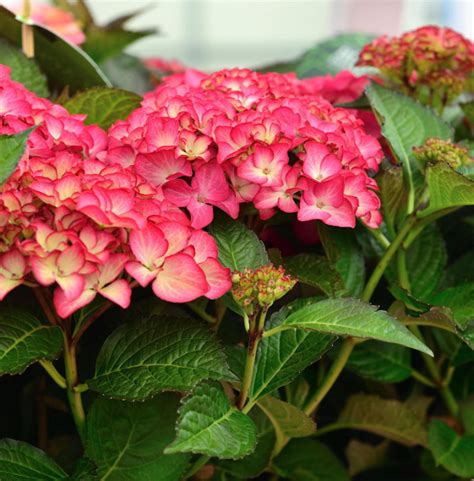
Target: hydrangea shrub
238	274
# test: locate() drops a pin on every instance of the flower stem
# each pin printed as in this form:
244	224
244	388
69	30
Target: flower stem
442	385
27	33
385	260
53	373
75	400
255	335
331	376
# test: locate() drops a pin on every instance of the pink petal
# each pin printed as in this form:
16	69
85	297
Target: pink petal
180	280
217	277
112	268
159	167
140	273
72	285
65	307
210	183
178	192
148	245
71	260
118	292
201	214
7	285
14	263
44	269
204	246
176	234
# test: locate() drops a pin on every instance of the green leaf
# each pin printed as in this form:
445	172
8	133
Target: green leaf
21	462
281	357
363	456
345	254
392	195
381	362
24	340
146	356
128	72
238	246
389	418
338	53
208	424
105	42
84	470
426	260
460	300
126	440
466	413
453	452
406	124
447	189
12	148
287	420
61	62
103	106
351	317
256	462
24	70
315	271
309	460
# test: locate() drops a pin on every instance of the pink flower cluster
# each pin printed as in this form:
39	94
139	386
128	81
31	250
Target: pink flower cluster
237	136
433	64
74	217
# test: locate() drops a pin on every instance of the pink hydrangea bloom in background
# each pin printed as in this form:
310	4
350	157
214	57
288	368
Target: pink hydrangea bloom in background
433	64
237	136
53	18
77	216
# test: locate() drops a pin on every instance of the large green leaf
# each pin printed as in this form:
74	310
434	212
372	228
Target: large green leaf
61	62
447	189
255	463
333	55
105	42
406	124
309	460
238	246
22	462
315	271
24	70
24	340
103	106
426	260
380	361
453	452
209	424
12	147
363	456
146	356
351	317
345	254
283	356
126	440
389	418
288	420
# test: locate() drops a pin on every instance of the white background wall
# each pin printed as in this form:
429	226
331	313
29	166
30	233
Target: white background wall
210	34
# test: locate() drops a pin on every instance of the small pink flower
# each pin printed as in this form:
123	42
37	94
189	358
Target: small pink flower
319	163
265	165
325	201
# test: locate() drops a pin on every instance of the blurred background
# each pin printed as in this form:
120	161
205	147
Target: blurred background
212	34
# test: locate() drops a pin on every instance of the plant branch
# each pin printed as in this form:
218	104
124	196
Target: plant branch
53	373
89	321
386	258
202	313
75	400
43	296
331	376
255	335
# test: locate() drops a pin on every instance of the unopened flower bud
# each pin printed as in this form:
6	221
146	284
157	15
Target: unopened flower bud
260	288
437	150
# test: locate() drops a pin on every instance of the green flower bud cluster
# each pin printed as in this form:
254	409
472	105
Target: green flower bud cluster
437	150
255	289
